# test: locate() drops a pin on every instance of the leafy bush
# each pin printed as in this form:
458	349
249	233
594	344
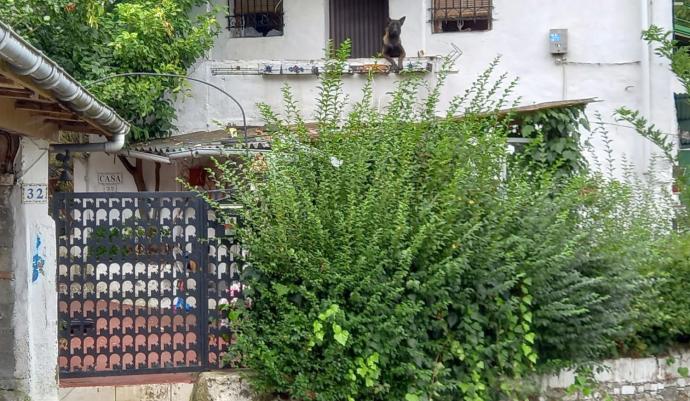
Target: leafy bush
664	310
93	39
405	256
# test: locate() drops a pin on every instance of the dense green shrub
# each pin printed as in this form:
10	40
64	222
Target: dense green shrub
664	310
405	256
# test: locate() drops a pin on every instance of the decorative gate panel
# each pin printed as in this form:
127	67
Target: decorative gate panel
140	276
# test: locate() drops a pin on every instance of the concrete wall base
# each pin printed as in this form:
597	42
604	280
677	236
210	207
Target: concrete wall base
625	379
222	386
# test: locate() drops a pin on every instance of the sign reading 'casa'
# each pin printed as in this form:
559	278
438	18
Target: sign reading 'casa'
110	178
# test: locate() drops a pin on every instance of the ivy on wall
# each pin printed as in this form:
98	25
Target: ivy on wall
556	138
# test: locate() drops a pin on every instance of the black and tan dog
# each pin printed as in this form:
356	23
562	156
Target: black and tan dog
392	44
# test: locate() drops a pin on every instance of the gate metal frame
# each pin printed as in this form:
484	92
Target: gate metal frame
76	235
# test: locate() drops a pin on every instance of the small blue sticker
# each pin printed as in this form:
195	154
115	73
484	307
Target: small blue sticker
555	37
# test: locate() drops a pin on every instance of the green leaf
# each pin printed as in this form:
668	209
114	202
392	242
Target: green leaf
351	375
452	319
570	155
585	123
527	131
683	371
318	330
530	337
280	289
528	317
234	315
341	337
411	397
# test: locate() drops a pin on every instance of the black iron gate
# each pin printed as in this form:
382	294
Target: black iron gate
140	277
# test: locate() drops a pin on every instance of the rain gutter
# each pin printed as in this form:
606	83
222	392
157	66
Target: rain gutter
45	75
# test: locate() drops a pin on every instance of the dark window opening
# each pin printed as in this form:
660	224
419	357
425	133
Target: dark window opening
362	21
9	146
255	18
461	15
684	139
683	116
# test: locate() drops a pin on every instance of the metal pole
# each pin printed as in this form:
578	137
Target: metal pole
157	74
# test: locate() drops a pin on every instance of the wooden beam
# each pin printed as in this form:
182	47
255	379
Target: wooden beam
49	109
26	94
60	120
78	127
8	83
42	95
14	92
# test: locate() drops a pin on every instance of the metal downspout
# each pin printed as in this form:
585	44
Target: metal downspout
646	78
114	145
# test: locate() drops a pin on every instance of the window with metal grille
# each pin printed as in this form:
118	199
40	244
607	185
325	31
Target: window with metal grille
362	21
255	18
461	15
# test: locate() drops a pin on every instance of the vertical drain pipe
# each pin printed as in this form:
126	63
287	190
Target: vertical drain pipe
646	74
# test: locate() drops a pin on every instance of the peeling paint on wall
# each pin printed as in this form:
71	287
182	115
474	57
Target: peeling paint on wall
38	258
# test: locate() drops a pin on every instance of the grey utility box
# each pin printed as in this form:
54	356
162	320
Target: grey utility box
558	41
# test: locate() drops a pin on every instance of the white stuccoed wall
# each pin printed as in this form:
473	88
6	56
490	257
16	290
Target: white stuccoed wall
86	174
606	59
34	317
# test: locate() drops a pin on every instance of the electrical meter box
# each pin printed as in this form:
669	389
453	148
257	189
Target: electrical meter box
558	41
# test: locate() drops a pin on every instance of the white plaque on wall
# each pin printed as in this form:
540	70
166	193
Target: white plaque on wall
110	178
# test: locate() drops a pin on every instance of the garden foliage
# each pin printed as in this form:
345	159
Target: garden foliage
403	255
92	39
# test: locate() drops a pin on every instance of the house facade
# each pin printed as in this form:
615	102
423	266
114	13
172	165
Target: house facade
560	50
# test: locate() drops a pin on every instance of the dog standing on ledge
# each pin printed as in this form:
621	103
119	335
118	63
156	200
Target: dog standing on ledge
392	45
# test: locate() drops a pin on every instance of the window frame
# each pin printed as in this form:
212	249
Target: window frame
233	17
436	21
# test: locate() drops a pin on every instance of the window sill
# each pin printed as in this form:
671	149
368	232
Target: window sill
355	66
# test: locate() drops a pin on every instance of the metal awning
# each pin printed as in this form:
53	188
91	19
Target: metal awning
558	104
229	142
201	144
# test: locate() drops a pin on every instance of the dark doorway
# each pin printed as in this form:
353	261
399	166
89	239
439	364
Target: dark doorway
363	21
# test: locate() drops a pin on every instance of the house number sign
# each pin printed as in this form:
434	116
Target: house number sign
34	193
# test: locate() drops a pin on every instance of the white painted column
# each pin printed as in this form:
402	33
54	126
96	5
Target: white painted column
34	266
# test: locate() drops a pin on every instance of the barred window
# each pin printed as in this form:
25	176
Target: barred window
461	15
255	18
